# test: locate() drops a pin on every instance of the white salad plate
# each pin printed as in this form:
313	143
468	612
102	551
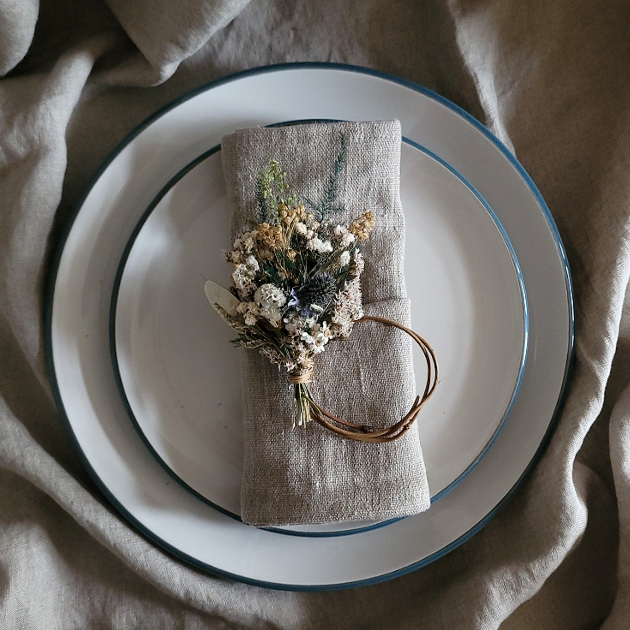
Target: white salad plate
181	376
81	290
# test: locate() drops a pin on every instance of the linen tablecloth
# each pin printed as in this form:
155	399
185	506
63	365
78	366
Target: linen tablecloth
549	79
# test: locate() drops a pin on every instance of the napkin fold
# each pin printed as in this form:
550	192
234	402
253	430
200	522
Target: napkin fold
309	475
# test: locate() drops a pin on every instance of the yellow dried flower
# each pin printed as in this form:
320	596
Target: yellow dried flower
363	225
287	217
270	235
291	216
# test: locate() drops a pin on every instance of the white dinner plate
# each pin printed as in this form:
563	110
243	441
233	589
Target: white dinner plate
181	376
81	290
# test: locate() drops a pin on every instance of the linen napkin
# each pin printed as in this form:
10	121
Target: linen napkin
309	475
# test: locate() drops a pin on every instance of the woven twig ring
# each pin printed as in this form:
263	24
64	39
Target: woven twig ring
365	433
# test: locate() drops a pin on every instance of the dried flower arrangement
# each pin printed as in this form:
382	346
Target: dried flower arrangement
296	287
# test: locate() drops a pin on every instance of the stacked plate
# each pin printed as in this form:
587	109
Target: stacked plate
150	386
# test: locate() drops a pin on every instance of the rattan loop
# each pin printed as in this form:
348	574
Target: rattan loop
365	433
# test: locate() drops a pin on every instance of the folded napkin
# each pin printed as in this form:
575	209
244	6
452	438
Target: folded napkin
309	475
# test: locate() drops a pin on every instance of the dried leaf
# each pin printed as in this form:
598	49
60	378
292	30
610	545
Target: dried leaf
218	295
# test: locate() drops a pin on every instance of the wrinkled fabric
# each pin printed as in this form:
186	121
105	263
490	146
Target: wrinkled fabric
550	79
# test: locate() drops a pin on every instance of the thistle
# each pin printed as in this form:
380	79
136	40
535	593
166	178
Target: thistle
315	296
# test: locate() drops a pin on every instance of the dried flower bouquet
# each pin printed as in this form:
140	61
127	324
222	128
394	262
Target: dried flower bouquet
296	279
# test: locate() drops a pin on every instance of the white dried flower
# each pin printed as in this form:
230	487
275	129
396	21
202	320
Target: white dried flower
348	308
319	341
340	230
250	311
347	239
250	319
344	259
272	315
301	228
322	328
270	295
359	263
316	244
301	356
294	324
342	327
252	263
242	277
315	342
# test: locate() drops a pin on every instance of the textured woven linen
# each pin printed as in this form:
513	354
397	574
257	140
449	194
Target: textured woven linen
293	476
550	78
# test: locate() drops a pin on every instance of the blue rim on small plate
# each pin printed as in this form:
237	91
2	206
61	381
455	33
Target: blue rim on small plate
314	534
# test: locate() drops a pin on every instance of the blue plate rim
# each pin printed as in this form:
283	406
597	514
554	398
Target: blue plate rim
569	361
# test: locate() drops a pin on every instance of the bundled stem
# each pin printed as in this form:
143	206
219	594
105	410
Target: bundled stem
302	398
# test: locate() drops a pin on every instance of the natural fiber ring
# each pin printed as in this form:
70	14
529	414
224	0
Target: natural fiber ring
365	433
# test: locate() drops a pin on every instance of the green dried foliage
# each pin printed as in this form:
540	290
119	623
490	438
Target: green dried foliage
329	204
272	191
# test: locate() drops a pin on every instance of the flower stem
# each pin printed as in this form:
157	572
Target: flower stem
301	404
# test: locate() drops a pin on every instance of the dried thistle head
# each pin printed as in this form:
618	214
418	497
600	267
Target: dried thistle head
314	297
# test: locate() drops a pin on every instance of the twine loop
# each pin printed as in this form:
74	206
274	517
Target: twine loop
302	375
366	433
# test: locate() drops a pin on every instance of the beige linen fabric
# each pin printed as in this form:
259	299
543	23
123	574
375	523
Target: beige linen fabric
550	78
293	476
